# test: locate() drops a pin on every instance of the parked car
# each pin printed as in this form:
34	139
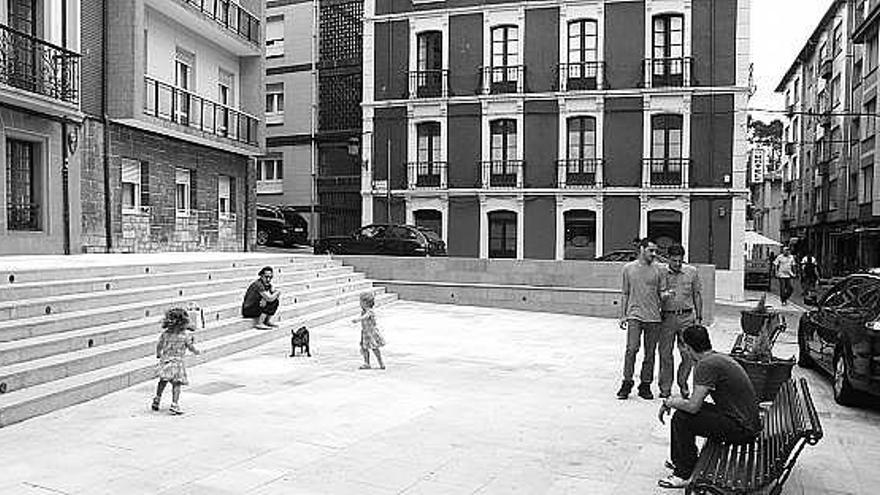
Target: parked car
626	255
272	227
841	336
394	240
296	224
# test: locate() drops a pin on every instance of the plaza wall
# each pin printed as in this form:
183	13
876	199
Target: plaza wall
573	287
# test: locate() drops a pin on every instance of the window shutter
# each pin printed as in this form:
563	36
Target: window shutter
192	191
232	195
145	184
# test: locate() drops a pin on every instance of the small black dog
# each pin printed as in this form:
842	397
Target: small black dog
299	338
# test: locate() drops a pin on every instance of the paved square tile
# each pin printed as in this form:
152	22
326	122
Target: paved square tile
474	400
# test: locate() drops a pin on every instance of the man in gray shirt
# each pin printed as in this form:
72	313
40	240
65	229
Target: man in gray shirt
682	309
642	286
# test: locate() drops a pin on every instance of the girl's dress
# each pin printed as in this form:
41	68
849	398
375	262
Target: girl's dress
371	338
171	349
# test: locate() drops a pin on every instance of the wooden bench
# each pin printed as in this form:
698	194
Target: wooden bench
765	464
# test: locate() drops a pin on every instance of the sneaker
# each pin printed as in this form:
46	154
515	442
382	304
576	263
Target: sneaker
155	405
260	326
174	410
272	324
645	391
673	481
625	388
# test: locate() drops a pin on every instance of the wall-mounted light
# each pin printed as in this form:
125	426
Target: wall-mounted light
722	211
354	146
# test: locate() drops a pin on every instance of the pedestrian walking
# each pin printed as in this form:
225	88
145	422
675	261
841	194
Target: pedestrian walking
809	270
642	285
261	300
176	339
785	266
731	417
371	337
682	309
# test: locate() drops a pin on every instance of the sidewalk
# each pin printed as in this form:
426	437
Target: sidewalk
474	400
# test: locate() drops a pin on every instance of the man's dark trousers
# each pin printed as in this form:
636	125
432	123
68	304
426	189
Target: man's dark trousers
254	311
708	422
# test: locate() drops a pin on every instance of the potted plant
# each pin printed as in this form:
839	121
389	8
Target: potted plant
753	351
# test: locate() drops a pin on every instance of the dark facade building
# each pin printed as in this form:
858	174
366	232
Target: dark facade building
560	129
340	81
173	101
831	207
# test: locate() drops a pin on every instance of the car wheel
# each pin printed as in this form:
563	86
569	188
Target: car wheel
844	394
262	237
804	359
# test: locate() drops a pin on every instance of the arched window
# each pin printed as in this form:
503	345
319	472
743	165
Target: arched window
429	219
580	234
664	226
502	234
667	64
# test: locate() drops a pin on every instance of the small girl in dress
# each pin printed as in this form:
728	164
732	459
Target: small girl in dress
371	339
172	346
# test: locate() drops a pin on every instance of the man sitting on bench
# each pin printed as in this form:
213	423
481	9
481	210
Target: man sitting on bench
261	300
732	418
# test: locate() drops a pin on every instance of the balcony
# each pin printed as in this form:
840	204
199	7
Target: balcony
503	174
826	67
580	76
37	66
274	186
579	173
230	16
670	72
666	172
426	175
185	108
503	79
429	83
825	119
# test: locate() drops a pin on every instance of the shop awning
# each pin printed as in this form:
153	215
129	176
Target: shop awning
755	239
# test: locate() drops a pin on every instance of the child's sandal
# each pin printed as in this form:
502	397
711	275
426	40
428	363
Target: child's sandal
155	405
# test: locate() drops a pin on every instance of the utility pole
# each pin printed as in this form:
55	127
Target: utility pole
388	180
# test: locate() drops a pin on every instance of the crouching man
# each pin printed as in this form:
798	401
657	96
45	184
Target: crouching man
261	300
732	418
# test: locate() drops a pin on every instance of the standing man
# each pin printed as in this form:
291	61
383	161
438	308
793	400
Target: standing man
261	300
809	270
732	418
642	285
785	265
682	309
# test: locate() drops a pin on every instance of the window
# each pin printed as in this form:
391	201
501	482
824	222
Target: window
275	98
581	138
583	47
667	66
184	81
854	185
270	169
505	59
871	53
502	234
23	181
428	136
835	91
870	118
429	64
224	192
183	192
857	73
867	194
797	92
832	195
131	184
225	98
275	36
836	43
503	143
666	149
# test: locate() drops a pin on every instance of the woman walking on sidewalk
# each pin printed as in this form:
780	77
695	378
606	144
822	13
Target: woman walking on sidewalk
172	346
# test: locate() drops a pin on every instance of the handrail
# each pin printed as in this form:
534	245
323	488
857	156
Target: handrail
427	174
213	9
666	172
579	172
38	66
184	107
501	79
580	76
502	173
665	72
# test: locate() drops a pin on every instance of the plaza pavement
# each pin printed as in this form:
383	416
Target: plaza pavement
474	400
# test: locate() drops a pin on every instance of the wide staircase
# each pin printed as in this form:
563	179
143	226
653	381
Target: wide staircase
70	332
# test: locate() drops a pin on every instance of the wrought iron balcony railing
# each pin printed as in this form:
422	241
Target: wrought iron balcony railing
580	172
38	66
503	79
580	76
668	72
666	172
230	16
23	216
183	107
429	83
502	174
426	175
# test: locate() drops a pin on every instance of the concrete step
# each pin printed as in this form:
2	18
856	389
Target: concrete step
109	313
47	305
144	265
113	282
27	349
35	372
41	399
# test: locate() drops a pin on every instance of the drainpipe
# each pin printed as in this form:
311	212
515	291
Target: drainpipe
105	124
313	126
65	155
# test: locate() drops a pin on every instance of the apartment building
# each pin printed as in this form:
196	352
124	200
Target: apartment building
560	129
765	185
830	207
286	176
174	94
40	126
